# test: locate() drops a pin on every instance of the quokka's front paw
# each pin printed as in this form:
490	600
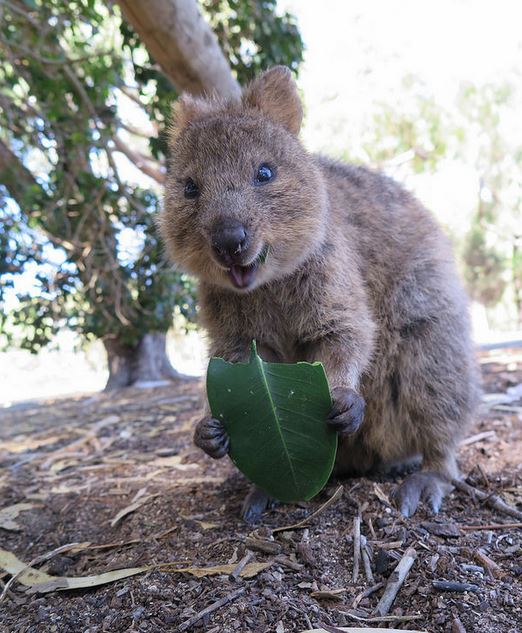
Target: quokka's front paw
347	412
210	436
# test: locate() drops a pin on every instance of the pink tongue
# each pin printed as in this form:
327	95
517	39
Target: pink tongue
241	276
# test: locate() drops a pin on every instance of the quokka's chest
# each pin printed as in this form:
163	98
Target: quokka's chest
281	325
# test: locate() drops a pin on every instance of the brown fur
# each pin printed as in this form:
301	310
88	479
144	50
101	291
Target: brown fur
358	275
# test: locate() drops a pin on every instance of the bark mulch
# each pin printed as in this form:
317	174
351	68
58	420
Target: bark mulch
78	463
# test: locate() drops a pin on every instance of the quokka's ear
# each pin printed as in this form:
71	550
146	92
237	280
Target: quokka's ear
275	94
187	109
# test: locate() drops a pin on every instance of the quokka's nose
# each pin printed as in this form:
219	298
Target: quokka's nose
229	239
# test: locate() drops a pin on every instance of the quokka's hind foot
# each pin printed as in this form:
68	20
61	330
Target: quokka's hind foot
255	503
428	486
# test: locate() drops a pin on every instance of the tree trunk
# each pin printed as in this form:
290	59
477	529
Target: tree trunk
145	364
183	44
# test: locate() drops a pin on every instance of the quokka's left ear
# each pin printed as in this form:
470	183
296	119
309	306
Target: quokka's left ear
275	94
186	110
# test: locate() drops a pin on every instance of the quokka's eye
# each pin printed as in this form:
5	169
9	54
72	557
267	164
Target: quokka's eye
264	173
191	189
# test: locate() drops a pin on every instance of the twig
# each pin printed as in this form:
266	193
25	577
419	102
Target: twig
366	593
356	546
492	526
478	438
262	545
383	618
145	164
366	560
489	564
297	526
213	607
446	585
241	565
395	581
493	501
287	562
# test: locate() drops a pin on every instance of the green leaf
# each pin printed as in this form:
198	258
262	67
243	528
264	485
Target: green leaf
275	415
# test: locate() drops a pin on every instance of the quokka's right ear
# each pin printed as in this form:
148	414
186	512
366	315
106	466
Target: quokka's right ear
185	110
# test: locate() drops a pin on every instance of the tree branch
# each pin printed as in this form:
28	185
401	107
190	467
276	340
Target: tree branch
183	44
141	163
21	178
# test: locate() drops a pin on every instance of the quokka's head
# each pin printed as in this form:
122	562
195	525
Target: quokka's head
244	203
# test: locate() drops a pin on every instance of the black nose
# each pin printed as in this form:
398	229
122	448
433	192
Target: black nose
229	238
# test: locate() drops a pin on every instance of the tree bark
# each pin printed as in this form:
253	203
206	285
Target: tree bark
139	365
183	44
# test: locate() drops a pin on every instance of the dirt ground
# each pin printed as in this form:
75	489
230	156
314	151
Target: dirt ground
78	462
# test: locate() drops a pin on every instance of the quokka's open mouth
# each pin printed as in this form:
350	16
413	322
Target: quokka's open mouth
243	276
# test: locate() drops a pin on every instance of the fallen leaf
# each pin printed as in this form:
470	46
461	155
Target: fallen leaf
132	508
250	570
9	514
40	582
22	443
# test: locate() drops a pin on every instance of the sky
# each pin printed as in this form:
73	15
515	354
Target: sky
357	51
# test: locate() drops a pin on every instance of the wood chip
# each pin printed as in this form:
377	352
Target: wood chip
446	530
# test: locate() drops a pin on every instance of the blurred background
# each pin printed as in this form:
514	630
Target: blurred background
430	93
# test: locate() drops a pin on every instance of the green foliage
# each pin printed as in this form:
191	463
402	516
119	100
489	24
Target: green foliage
420	130
253	36
82	229
489	248
275	415
419	134
484	267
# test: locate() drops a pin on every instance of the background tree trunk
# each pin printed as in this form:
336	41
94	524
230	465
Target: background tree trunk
183	44
141	364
